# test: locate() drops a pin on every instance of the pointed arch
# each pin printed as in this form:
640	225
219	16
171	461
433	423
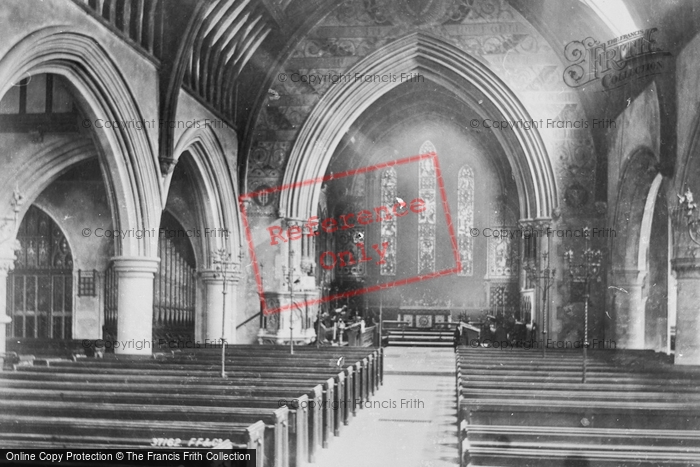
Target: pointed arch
446	66
214	189
129	158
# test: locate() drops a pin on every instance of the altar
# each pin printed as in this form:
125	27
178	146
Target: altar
419	316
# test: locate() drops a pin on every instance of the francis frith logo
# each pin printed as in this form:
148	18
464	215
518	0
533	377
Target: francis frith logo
616	62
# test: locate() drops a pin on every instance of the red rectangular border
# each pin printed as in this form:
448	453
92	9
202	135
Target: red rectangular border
374	288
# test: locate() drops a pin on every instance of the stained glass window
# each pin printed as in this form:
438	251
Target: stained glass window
388	227
426	218
465	219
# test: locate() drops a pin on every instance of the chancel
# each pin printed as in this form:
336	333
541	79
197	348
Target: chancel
351	232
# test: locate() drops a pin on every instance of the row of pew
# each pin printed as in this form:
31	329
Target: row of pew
284	406
522	408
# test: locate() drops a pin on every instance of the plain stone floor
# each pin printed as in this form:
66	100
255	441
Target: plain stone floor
422	433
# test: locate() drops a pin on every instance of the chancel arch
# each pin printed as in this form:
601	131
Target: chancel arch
448	67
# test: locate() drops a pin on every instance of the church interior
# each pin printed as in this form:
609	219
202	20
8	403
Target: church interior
440	232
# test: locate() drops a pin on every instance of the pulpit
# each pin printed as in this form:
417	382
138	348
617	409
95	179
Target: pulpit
275	327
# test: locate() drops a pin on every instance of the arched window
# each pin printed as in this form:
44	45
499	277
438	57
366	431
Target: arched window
40	287
388	227
426	218
465	219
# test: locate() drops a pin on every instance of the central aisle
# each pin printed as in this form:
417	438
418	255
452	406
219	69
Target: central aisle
422	433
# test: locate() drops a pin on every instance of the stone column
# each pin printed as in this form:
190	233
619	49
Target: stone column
290	318
629	309
7	263
687	315
214	305
134	304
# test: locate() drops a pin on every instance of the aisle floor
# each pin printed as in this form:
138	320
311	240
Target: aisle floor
412	420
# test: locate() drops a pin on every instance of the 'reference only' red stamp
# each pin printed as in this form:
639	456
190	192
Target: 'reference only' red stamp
276	236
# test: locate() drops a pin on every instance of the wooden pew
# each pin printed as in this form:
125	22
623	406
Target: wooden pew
338	405
299	446
373	354
296	369
32	432
542	446
59	348
568	413
137	382
520	410
174	394
201	385
369	365
275	453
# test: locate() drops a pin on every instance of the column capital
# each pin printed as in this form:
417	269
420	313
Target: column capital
6	265
135	264
628	276
686	268
215	276
538	224
542	222
292	222
7	255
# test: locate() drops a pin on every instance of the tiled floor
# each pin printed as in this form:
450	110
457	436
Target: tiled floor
412	421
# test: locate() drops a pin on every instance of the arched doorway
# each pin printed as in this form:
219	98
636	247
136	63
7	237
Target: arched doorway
40	288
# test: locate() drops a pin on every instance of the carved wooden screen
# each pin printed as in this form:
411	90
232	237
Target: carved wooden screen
40	288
